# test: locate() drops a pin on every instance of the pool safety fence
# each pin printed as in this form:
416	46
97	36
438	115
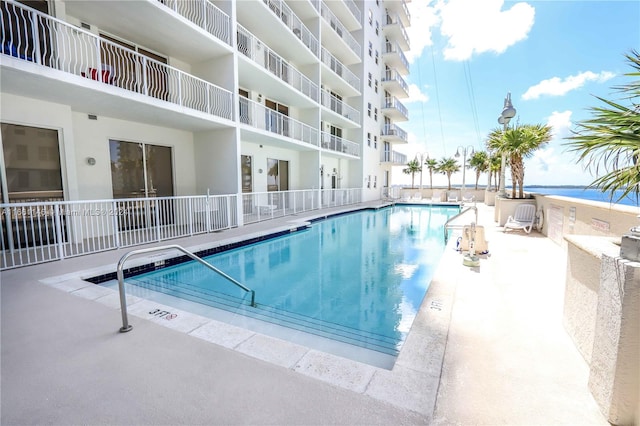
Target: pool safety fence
42	231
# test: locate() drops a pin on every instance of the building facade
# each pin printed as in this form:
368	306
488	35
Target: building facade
168	98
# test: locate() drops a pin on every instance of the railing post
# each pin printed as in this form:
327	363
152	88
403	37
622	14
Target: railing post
209	212
157	218
190	216
36	38
116	225
145	83
58	225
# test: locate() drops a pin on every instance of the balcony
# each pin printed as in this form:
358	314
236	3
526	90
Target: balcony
336	35
266	58
393	134
400	8
394	109
394	30
393	83
345	81
199	29
337	144
394	57
277	25
394	158
94	74
347	12
260	117
339	107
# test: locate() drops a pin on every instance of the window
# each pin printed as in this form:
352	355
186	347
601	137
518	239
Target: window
246	171
31	164
375	181
376	86
377	28
369	79
369	109
375	114
370	16
377	57
375	142
277	175
369	139
370	49
140	170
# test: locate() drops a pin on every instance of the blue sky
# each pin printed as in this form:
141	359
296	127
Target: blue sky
552	56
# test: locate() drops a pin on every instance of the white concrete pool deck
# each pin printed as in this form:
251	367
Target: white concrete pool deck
488	347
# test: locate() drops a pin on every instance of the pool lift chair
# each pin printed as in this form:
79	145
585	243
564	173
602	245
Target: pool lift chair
523	218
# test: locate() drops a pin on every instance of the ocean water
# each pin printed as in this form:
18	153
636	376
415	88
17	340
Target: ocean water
583	193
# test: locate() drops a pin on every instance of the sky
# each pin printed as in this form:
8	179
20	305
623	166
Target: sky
553	56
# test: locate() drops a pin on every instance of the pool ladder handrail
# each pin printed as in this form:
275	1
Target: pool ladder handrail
120	273
447	226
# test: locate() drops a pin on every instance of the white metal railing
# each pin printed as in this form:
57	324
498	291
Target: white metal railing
391	102
338	144
45	231
291	20
393	157
394	75
336	66
250	46
340	29
395	48
38	232
394	19
394	130
204	14
261	117
338	106
36	37
354	10
406	9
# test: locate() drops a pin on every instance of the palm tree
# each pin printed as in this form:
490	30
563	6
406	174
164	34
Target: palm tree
519	142
495	162
413	167
610	139
432	165
479	161
448	166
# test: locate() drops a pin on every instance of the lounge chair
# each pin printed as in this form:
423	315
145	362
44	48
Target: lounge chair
468	198
417	196
436	197
523	218
452	196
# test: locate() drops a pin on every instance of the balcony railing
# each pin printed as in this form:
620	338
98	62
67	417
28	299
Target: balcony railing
204	14
393	130
393	75
263	118
391	102
336	66
291	20
337	144
393	157
339	107
394	19
38	232
354	10
395	48
35	37
340	29
254	49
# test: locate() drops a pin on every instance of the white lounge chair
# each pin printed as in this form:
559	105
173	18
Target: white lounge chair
452	196
436	197
468	197
523	218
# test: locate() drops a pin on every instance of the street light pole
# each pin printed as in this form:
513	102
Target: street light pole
422	154
464	163
508	112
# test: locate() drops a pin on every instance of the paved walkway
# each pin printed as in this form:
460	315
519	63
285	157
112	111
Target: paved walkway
507	359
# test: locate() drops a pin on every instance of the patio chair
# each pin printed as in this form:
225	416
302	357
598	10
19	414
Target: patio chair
452	196
523	218
468	197
436	197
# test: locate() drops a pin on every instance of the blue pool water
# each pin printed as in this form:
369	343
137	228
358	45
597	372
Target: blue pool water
357	278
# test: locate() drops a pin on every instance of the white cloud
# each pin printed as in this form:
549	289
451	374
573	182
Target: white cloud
423	18
415	95
473	26
557	86
560	122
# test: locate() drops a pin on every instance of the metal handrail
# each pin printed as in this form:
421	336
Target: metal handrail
123	301
447	226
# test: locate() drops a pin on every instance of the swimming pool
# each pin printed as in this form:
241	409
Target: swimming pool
357	279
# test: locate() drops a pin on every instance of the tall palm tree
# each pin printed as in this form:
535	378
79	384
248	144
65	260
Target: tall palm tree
519	142
479	162
432	165
448	166
610	139
412	168
495	163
